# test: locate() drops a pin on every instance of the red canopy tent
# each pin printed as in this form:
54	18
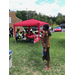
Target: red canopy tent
30	23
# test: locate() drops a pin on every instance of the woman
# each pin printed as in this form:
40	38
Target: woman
46	45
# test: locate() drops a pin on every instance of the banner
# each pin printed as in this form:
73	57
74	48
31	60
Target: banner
9	19
36	38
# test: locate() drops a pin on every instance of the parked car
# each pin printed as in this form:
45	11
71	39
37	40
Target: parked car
41	28
57	29
34	28
62	25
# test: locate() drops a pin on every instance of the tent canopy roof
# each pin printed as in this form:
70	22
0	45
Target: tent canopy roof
30	23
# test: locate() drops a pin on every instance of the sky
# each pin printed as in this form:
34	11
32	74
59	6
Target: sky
47	7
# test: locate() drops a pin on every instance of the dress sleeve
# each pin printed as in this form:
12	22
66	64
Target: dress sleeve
46	33
46	39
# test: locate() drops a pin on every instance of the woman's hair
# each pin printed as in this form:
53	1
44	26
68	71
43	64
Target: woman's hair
47	29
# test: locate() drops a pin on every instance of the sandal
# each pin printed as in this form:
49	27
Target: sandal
45	63
46	68
42	58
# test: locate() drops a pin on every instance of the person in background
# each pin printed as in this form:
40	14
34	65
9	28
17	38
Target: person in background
23	34
20	34
27	34
17	36
52	28
9	34
26	30
11	31
31	33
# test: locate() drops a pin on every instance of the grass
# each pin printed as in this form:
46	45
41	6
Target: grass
26	57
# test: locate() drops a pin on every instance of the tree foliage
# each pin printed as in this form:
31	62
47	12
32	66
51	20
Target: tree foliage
50	21
24	15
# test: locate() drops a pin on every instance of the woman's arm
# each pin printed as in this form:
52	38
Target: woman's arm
46	41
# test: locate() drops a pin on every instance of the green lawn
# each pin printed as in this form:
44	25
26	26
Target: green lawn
26	57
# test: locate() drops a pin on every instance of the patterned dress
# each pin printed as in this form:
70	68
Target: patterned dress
46	40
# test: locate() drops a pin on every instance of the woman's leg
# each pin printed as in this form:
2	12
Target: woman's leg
17	38
48	64
48	60
48	67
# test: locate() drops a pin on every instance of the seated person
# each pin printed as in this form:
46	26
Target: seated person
23	34
17	36
20	34
31	33
36	32
27	34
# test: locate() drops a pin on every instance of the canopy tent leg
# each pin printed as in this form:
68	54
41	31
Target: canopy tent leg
14	32
38	29
39	32
29	29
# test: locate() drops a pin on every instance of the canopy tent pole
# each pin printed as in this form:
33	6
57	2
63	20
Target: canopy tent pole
39	32
38	28
14	32
29	29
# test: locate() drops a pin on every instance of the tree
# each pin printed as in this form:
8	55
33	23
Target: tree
54	22
50	21
24	15
35	17
45	18
53	19
58	20
59	14
18	14
31	14
63	19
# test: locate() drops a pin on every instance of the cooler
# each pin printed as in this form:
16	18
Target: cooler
10	58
